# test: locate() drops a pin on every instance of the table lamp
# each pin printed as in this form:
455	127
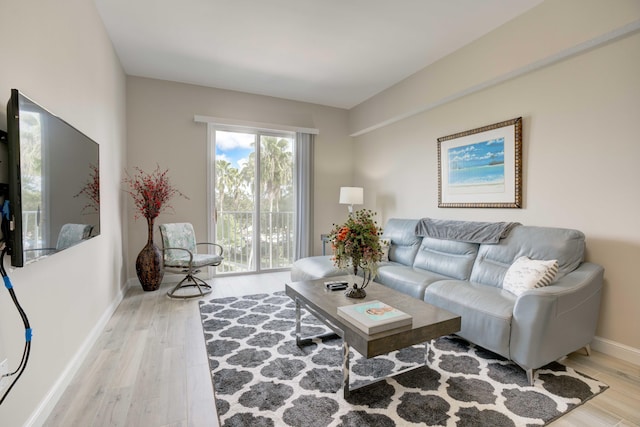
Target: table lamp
351	196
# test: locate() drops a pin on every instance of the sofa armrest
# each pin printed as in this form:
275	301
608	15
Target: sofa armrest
315	267
551	322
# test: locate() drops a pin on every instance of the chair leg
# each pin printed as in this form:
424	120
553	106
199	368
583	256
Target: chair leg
203	287
587	349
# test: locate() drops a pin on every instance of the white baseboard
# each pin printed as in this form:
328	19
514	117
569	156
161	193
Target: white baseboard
42	412
615	349
131	282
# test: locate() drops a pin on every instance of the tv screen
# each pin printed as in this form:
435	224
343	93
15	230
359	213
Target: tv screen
53	174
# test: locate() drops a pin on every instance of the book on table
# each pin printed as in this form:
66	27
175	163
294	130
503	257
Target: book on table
373	317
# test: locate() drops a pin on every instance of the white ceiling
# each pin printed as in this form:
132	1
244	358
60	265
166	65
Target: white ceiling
330	52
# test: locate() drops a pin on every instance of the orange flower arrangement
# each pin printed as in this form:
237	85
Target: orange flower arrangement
356	243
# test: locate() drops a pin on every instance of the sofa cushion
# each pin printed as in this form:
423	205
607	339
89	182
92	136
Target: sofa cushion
446	257
486	311
564	245
408	280
315	267
525	274
404	242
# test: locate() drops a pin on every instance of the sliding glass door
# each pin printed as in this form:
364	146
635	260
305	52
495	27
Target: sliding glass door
253	199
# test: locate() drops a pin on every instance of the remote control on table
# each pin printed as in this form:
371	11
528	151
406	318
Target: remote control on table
339	284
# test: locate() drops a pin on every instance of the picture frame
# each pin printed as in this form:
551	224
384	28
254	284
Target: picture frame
482	167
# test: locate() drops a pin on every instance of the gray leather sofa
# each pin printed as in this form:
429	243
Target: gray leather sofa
533	329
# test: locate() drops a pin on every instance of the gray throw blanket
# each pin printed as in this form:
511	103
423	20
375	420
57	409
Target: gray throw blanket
464	231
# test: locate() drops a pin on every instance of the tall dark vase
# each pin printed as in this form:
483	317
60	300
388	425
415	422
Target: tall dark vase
150	264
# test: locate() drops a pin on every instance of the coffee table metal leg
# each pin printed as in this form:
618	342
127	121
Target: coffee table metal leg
346	391
346	388
299	341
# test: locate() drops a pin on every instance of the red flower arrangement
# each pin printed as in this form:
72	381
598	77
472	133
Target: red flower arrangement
92	190
151	192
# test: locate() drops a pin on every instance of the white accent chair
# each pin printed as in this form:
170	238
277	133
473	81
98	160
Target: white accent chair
181	255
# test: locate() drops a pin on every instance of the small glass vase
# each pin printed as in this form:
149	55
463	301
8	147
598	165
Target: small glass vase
357	291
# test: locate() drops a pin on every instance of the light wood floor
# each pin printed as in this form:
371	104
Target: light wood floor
149	368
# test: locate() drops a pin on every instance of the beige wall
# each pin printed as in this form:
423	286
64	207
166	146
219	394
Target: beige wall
161	130
528	41
580	145
59	55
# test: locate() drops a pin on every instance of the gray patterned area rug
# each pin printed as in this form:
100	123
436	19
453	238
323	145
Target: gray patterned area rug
261	378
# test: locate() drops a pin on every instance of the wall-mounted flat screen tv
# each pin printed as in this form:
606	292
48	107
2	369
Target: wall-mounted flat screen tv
54	182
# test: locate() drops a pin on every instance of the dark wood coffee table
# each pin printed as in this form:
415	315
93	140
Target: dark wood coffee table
429	322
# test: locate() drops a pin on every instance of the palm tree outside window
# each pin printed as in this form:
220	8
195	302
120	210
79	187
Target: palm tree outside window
254	200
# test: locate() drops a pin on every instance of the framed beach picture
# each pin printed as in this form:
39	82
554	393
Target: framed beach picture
481	168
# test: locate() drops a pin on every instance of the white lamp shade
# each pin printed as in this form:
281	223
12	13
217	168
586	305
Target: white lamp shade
351	195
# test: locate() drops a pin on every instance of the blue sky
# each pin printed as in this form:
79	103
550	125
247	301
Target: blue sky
234	147
477	154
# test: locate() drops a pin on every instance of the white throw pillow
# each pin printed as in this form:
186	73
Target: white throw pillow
525	274
384	245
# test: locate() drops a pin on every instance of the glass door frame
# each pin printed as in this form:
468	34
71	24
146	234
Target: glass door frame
211	191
